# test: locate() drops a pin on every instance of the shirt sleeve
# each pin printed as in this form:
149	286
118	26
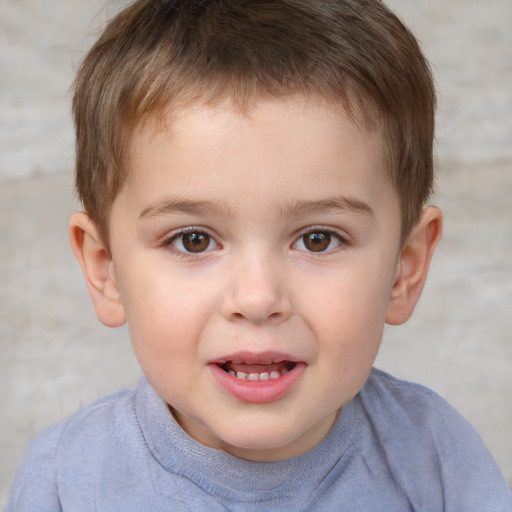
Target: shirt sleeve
472	478
434	454
34	486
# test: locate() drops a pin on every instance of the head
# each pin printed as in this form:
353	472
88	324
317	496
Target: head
254	177
161	56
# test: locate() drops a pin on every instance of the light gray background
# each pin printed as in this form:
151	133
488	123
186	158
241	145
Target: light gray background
56	357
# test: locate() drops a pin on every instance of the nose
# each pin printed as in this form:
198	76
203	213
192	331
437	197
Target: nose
256	292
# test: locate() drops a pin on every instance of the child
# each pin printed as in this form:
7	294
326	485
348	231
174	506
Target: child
254	176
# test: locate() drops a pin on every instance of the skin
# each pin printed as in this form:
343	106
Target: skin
255	187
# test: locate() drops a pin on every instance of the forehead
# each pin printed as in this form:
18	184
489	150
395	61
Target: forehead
277	147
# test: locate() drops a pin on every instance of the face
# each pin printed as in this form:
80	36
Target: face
255	257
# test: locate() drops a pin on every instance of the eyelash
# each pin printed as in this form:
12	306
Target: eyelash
316	230
173	237
342	241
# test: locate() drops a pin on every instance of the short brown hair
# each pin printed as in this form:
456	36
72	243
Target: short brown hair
157	53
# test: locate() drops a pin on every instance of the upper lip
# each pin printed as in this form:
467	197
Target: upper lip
255	358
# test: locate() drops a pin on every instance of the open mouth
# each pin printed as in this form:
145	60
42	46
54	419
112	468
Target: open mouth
257	377
256	372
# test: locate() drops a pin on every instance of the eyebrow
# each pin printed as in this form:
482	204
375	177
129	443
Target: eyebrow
288	209
324	206
173	206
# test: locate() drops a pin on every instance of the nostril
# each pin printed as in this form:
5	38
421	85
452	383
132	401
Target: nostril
257	319
247	305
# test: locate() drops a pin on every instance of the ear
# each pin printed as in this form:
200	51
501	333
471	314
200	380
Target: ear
413	266
98	269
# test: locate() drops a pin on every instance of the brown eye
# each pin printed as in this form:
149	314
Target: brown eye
317	241
195	241
191	242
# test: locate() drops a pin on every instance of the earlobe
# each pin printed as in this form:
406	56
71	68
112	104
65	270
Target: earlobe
413	266
98	269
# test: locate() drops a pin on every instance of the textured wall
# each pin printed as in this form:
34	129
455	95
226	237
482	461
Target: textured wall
469	43
41	44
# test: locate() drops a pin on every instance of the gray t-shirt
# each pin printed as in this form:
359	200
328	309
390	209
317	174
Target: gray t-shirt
396	446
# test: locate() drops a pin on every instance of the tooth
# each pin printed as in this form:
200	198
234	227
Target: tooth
275	375
284	370
241	375
231	372
264	376
253	376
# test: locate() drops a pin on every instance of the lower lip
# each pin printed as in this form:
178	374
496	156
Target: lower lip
258	391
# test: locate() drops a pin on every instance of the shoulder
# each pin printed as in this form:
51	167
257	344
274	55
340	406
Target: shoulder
90	428
98	419
65	446
405	412
393	397
430	448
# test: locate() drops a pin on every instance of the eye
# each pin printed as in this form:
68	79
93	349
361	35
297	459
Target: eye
191	242
318	241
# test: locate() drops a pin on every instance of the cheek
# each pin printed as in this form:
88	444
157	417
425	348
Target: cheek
165	312
353	297
348	316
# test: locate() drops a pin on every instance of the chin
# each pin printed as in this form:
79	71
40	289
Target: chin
262	444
